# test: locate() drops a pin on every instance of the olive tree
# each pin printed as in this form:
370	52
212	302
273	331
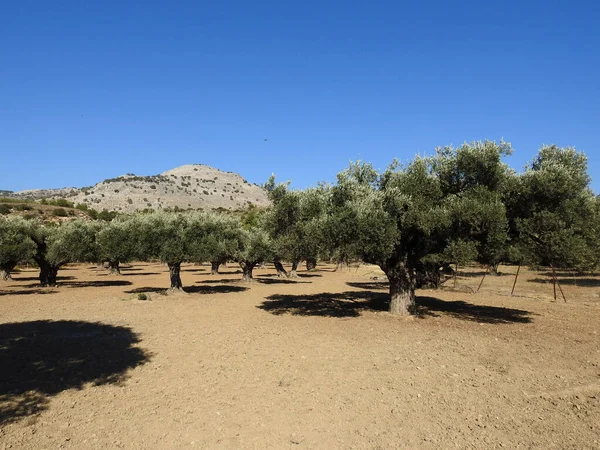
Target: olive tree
553	212
404	219
15	244
60	244
166	237
176	238
475	176
116	243
254	244
293	224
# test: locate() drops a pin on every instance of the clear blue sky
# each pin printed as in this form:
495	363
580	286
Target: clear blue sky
92	90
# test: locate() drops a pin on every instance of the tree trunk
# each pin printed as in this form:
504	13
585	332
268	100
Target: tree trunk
428	276
340	265
174	273
48	274
247	269
281	272
494	269
5	270
214	267
114	268
311	264
402	290
293	272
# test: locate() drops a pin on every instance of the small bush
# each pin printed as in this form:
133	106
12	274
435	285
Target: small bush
59	212
59	202
152	186
142	296
4	209
129	201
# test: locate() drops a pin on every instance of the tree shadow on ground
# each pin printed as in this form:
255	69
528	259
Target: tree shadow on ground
345	304
369	285
141	274
59	278
100	283
39	291
191	289
582	282
262	280
145	289
220	280
214	289
309	275
459	309
352	303
43	358
221	272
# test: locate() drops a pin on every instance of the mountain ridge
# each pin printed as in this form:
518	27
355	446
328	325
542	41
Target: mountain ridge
191	186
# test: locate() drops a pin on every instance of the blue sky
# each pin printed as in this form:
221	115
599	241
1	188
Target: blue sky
92	90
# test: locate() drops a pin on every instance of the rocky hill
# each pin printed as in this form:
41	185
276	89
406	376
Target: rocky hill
193	186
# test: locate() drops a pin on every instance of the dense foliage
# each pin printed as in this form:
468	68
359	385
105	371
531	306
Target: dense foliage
460	205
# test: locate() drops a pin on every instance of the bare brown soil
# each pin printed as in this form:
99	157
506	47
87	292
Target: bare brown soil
312	363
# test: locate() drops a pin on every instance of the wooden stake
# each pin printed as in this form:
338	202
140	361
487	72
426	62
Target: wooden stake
455	274
554	281
516	278
484	275
559	287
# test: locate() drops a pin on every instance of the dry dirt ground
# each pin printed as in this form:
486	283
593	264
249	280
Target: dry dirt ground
312	363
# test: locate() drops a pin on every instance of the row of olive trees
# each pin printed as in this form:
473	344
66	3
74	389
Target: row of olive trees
461	205
173	238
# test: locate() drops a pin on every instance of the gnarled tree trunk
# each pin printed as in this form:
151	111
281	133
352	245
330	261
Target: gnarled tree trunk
293	272
311	264
494	269
340	265
214	267
281	272
114	268
427	275
247	268
48	274
175	276
5	270
402	289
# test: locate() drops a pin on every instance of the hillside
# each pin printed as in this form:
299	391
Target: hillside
193	186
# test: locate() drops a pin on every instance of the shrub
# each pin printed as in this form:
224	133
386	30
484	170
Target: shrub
152	186
59	202
4	209
59	212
